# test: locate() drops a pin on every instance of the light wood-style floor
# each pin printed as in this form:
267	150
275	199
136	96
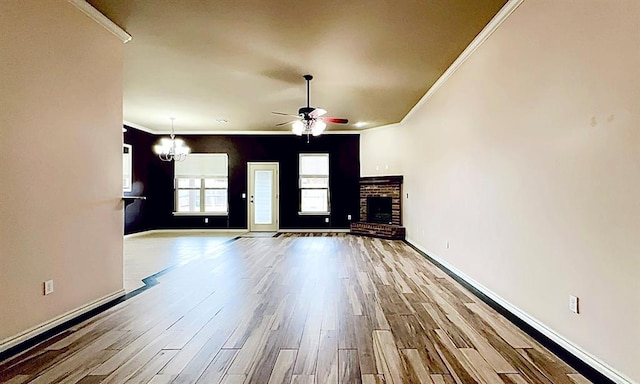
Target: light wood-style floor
153	252
295	309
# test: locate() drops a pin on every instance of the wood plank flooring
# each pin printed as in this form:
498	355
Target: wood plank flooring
295	309
150	253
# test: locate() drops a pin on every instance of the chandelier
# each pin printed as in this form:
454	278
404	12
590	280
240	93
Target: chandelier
171	149
308	127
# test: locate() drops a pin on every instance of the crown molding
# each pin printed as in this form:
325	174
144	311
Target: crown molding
210	132
381	127
256	133
101	19
140	127
486	32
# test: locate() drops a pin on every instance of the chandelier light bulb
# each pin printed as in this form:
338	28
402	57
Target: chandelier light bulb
171	149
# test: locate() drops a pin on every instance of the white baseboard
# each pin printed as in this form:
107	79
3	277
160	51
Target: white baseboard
569	346
183	231
318	230
47	325
223	230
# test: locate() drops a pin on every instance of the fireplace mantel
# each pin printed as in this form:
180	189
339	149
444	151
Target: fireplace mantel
381	180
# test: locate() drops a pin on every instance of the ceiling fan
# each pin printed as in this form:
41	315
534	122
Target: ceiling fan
309	119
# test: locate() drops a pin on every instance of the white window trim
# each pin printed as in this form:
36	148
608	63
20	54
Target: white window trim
202	198
201	166
201	214
314	213
300	188
130	187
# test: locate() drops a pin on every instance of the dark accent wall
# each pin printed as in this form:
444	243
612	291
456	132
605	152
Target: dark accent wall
150	175
154	179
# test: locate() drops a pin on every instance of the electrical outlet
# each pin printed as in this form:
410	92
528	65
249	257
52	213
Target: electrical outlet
48	287
206	220
573	304
447	245
348	217
326	219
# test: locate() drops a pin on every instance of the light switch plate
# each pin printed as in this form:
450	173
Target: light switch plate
48	287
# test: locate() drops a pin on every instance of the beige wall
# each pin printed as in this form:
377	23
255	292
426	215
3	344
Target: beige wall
527	161
60	162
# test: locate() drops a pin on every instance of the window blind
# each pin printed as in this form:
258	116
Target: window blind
314	164
203	165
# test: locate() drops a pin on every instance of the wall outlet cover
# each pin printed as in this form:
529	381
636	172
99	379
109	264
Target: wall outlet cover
573	304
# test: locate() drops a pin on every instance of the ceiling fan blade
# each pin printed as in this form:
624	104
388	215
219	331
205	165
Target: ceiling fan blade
284	114
317	112
335	120
288	122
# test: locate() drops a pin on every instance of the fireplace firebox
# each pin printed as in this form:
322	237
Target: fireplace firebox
379	210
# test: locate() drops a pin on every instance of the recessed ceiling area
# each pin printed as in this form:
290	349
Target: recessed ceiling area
226	65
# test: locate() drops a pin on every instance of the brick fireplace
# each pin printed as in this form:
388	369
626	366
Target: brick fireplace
380	208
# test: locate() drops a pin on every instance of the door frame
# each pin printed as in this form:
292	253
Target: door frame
276	201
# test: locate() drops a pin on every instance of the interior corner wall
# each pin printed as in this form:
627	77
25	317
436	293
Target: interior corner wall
60	164
527	161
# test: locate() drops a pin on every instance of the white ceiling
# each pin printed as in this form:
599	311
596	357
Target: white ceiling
200	61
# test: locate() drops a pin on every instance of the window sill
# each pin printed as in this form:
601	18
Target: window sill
200	214
314	213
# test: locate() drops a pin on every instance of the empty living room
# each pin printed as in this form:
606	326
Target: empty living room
320	192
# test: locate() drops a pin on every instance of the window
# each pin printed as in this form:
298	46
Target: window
314	183
126	168
202	184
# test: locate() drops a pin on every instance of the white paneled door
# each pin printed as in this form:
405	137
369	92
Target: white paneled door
263	197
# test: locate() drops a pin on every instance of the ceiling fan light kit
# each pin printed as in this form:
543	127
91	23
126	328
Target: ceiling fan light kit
310	120
315	127
318	128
